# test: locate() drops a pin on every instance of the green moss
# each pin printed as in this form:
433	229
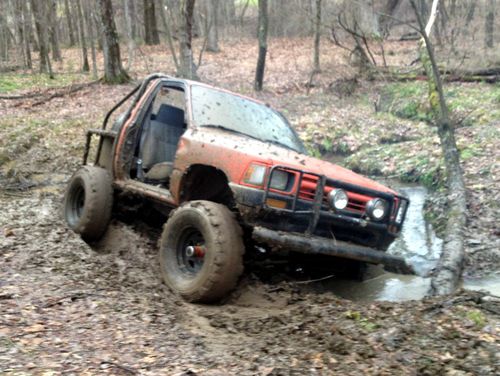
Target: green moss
327	144
10	82
313	151
469	104
4	158
120	78
408	161
405	100
477	317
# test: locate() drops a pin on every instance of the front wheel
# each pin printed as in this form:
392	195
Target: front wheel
201	251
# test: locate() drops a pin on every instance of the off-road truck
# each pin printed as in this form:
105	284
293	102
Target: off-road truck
223	165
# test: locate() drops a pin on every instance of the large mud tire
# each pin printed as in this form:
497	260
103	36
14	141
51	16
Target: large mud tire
214	226
88	202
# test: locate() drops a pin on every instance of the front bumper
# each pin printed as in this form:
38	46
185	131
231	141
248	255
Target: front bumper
311	226
330	247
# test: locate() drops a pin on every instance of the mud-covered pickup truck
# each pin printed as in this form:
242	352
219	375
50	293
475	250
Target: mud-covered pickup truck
221	165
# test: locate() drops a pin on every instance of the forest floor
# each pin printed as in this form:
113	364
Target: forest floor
69	308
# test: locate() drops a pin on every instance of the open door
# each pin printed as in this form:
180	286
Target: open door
159	135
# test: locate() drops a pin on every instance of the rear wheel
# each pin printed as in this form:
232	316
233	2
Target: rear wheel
88	202
201	251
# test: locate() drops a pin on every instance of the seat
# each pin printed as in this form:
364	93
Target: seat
159	141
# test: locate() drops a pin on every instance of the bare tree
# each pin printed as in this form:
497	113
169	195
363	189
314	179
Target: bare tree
83	42
262	36
150	28
386	19
6	36
470	13
168	35
187	68
69	21
26	42
130	38
489	24
87	11
113	70
133	18
53	32
450	265
40	16
20	31
212	10
317	36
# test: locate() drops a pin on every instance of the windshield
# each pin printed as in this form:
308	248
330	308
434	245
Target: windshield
219	109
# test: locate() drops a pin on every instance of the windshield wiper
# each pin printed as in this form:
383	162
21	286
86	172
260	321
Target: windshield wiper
230	130
280	144
247	135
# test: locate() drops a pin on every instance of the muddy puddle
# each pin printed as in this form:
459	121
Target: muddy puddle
421	247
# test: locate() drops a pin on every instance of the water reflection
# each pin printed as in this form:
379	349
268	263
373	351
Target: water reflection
420	246
417	243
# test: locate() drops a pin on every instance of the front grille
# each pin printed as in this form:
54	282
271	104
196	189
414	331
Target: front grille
308	187
357	202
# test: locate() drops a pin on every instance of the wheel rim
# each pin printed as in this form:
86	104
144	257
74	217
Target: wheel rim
190	251
76	205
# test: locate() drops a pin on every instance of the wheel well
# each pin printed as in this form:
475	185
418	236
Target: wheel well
203	182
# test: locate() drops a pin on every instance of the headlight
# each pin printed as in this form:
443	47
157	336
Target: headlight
376	208
401	211
280	179
255	174
338	199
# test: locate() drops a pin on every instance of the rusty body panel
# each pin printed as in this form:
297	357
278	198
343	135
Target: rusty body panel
233	153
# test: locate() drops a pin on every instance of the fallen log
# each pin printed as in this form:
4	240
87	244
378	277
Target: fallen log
63	93
65	90
489	76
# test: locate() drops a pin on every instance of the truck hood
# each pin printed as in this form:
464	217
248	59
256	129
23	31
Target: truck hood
274	154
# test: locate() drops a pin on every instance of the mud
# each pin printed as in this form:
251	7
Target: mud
69	308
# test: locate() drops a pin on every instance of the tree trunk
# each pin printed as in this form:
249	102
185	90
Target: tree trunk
317	35
113	70
19	26
197	28
262	36
449	269
470	13
26	41
187	69
212	27
230	12
4	44
128	28
151	36
386	19
90	32
54	37
489	24
40	17
133	19
168	35
83	42
69	21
